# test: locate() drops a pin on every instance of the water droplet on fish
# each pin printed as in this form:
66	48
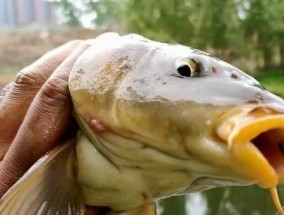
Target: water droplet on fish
97	126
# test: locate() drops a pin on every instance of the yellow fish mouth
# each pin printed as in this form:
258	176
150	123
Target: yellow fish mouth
255	136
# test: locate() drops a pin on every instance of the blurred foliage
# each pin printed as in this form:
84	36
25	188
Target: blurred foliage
230	29
273	81
69	12
264	27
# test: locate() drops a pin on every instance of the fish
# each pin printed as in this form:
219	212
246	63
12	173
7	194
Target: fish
156	120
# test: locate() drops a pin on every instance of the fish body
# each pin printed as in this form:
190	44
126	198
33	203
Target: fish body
158	120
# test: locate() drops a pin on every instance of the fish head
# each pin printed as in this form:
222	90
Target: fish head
222	125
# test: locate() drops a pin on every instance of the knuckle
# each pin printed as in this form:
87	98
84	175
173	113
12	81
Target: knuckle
24	77
29	76
55	91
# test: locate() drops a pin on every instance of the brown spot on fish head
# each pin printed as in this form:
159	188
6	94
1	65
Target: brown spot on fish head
234	75
214	70
81	71
113	73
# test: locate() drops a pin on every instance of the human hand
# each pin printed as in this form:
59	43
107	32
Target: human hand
35	110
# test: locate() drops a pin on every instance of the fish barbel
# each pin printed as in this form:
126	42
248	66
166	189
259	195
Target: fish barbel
156	120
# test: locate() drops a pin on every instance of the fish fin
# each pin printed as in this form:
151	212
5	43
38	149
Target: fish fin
147	209
48	188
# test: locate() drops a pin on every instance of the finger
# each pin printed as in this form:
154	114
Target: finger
17	101
5	91
43	125
4	147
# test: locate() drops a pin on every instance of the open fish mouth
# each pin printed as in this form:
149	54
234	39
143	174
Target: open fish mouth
255	136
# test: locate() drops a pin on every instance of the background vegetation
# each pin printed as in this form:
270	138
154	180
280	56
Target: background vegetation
249	32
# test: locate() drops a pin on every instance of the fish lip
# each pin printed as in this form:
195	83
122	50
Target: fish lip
249	133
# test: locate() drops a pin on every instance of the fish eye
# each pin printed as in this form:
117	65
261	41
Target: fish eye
189	69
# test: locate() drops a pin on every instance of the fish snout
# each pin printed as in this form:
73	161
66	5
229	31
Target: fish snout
255	136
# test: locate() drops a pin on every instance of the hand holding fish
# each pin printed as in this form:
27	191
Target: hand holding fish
35	110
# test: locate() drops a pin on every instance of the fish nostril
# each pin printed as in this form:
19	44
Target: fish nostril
259	97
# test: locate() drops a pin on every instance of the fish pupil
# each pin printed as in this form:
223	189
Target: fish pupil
184	70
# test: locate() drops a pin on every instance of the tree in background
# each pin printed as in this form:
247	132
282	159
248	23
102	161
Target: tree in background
263	27
277	19
229	29
69	12
219	28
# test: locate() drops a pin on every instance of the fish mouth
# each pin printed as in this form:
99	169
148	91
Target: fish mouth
255	137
